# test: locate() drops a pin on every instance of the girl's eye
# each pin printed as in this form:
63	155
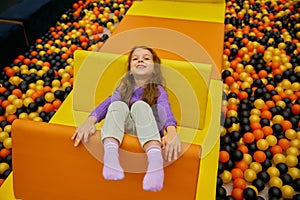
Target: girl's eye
134	58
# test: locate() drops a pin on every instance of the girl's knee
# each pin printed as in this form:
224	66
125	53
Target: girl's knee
140	105
119	105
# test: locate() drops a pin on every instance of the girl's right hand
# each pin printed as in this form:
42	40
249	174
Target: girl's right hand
83	132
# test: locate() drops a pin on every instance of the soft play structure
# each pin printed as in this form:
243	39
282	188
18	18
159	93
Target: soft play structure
188	37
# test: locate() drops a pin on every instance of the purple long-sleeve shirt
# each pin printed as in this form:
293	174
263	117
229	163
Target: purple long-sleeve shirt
164	116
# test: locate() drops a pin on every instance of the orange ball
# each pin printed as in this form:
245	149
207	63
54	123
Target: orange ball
224	156
243	165
237	173
284	143
239	183
237	193
259	156
248	137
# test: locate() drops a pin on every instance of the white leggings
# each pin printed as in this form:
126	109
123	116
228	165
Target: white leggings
139	121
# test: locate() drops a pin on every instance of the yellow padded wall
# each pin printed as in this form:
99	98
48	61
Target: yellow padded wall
97	74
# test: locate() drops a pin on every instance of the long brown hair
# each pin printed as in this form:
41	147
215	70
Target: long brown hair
151	91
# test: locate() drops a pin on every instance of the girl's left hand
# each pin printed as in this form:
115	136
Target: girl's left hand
172	146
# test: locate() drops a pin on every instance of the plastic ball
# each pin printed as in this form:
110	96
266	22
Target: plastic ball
262	144
259	156
275	181
292	151
287	191
226	176
278	158
3	135
291	160
249	194
259	103
7	143
294	172
275	192
221	192
3	167
11	109
237	193
273	171
286	179
282	167
272	140
296	184
259	184
249	175
49	97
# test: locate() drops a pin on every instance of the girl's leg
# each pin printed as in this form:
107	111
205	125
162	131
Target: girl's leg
150	140
112	134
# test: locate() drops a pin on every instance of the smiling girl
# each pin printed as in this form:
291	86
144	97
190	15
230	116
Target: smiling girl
139	106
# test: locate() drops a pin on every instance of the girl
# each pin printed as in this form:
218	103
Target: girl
139	106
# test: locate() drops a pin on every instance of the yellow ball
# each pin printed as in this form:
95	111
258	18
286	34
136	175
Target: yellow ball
249	175
226	176
290	134
49	97
277	119
259	103
18	103
294	172
55	83
11	109
23	115
287	191
273	171
262	144
295	143
275	182
278	158
291	160
256	167
272	140
3	167
292	151
7	143
248	158
3	135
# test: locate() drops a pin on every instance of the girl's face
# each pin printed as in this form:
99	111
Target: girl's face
141	64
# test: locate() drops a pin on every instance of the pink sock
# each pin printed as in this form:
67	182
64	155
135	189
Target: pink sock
154	178
112	169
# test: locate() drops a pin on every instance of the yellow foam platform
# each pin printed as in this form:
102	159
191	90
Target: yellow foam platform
187	10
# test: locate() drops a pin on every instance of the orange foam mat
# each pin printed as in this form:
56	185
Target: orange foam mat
50	167
194	41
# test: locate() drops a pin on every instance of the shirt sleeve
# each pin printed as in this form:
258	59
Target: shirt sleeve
101	110
164	109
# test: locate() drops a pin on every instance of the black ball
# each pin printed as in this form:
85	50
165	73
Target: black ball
237	155
264	176
32	107
221	168
296	184
221	192
219	181
286	179
259	184
296	197
282	167
229	197
274	192
249	194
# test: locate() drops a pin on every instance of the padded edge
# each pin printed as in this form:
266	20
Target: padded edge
198	11
47	166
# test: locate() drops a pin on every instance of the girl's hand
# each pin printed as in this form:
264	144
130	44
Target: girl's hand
83	132
171	143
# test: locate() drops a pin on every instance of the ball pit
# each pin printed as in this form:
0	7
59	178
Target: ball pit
261	78
35	84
